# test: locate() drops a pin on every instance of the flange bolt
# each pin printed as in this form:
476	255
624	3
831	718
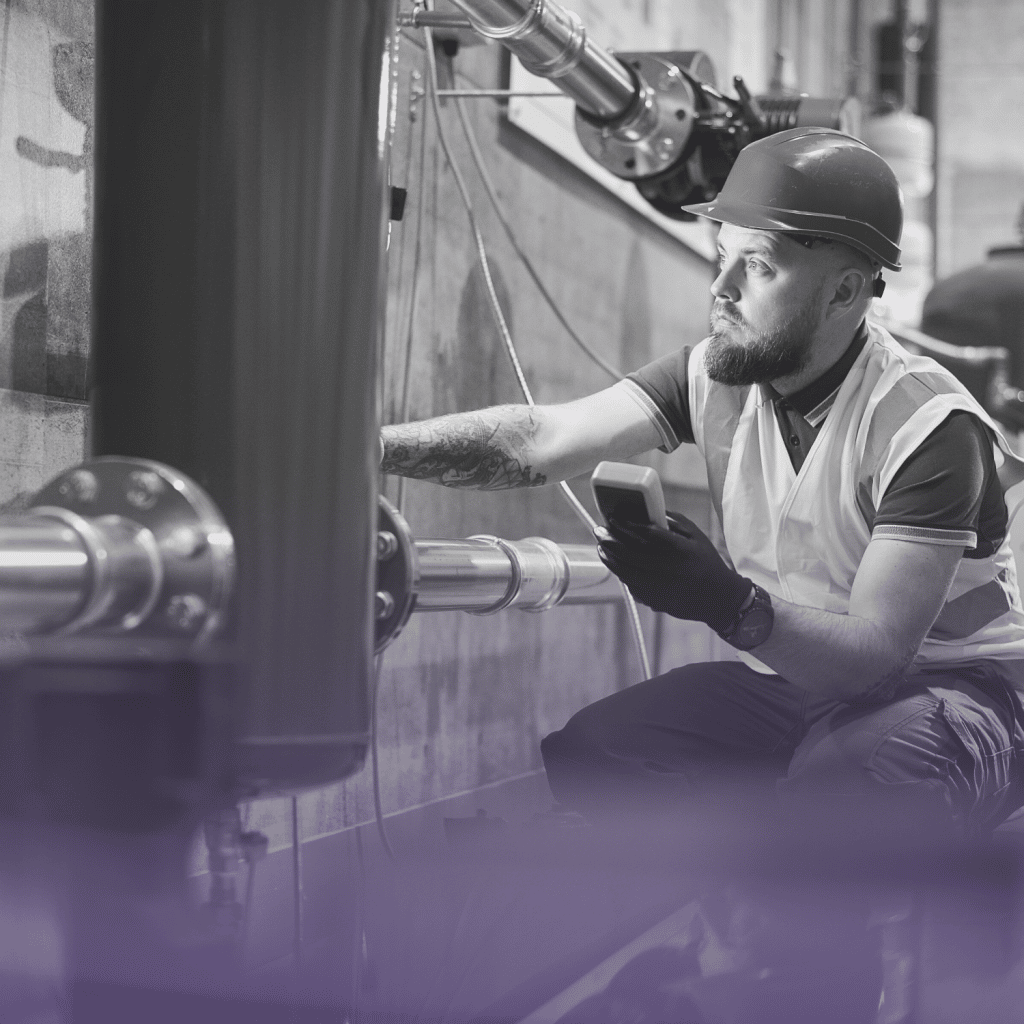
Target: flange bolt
387	545
144	488
185	611
383	605
80	485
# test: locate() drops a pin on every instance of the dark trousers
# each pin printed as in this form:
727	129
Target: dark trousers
948	746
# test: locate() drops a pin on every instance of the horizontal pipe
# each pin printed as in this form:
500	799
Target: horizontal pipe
486	574
45	575
552	42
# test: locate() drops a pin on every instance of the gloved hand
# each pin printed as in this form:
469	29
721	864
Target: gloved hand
677	571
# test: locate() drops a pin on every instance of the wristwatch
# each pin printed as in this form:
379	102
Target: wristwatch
753	622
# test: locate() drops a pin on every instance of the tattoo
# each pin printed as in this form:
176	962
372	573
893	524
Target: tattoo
486	450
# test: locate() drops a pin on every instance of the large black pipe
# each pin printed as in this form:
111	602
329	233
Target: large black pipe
240	173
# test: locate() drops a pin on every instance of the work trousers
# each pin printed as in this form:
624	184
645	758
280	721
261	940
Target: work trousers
948	746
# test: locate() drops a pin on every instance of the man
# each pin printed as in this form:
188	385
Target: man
865	564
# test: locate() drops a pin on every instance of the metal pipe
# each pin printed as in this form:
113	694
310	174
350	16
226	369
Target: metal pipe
487	574
44	574
552	42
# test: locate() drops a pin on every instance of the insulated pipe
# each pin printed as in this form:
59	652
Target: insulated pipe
552	42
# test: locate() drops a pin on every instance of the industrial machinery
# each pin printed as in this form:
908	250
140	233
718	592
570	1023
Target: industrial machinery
191	616
657	119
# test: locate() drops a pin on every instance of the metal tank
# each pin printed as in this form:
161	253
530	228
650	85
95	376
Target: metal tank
240	225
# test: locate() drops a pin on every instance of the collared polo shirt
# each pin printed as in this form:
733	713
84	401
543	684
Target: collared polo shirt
946	492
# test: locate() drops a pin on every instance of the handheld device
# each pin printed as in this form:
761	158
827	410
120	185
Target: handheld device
629	493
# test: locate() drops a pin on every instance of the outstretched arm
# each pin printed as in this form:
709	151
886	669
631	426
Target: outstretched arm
520	445
488	450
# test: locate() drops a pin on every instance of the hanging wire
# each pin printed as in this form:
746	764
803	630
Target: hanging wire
378	808
506	335
403	411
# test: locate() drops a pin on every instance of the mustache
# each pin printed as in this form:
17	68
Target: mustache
725	310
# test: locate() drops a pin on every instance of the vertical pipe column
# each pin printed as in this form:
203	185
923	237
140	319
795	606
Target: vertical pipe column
238	297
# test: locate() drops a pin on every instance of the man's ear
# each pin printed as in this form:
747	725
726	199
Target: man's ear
851	289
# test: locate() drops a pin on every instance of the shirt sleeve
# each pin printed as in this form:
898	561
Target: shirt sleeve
947	491
661	389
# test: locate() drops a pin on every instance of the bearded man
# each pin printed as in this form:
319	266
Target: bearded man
865	575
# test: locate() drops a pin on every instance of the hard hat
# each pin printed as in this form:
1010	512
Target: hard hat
814	181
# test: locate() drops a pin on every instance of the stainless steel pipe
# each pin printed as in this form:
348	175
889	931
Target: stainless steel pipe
552	42
44	574
480	575
487	574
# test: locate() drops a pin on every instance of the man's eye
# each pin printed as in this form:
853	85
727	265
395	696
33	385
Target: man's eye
758	267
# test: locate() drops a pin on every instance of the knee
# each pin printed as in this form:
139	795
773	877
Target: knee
582	740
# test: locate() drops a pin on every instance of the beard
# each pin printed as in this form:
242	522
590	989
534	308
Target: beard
766	355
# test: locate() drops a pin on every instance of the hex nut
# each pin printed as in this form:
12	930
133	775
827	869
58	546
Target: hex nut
185	611
387	545
383	605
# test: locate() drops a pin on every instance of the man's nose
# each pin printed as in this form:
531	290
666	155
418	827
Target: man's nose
726	286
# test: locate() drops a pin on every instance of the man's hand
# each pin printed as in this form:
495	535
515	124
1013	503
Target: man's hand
677	571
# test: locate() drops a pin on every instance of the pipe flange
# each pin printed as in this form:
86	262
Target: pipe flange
515	582
398	575
172	519
653	134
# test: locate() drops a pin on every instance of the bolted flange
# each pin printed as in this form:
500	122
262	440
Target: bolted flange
179	530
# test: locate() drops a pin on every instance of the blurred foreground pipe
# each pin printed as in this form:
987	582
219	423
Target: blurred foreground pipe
552	42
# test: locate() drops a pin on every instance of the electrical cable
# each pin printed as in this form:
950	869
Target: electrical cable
492	195
506	336
378	809
403	411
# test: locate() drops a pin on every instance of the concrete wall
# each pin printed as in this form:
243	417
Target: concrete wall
45	238
980	129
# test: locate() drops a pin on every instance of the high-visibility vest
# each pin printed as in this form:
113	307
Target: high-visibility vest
801	536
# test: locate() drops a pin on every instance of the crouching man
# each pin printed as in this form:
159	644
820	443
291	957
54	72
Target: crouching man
866	577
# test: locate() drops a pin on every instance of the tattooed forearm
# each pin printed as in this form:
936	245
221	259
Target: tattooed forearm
488	450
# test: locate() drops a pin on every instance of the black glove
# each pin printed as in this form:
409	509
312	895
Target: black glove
677	571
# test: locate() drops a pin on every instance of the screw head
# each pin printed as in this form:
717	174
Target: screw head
383	605
79	485
185	611
144	488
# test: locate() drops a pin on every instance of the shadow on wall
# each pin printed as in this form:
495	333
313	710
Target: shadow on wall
46	154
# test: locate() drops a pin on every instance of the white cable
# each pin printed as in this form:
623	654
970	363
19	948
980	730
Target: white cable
506	336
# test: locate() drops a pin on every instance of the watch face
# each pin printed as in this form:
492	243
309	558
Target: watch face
755	628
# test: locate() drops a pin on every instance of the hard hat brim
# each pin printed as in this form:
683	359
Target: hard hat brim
855	233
